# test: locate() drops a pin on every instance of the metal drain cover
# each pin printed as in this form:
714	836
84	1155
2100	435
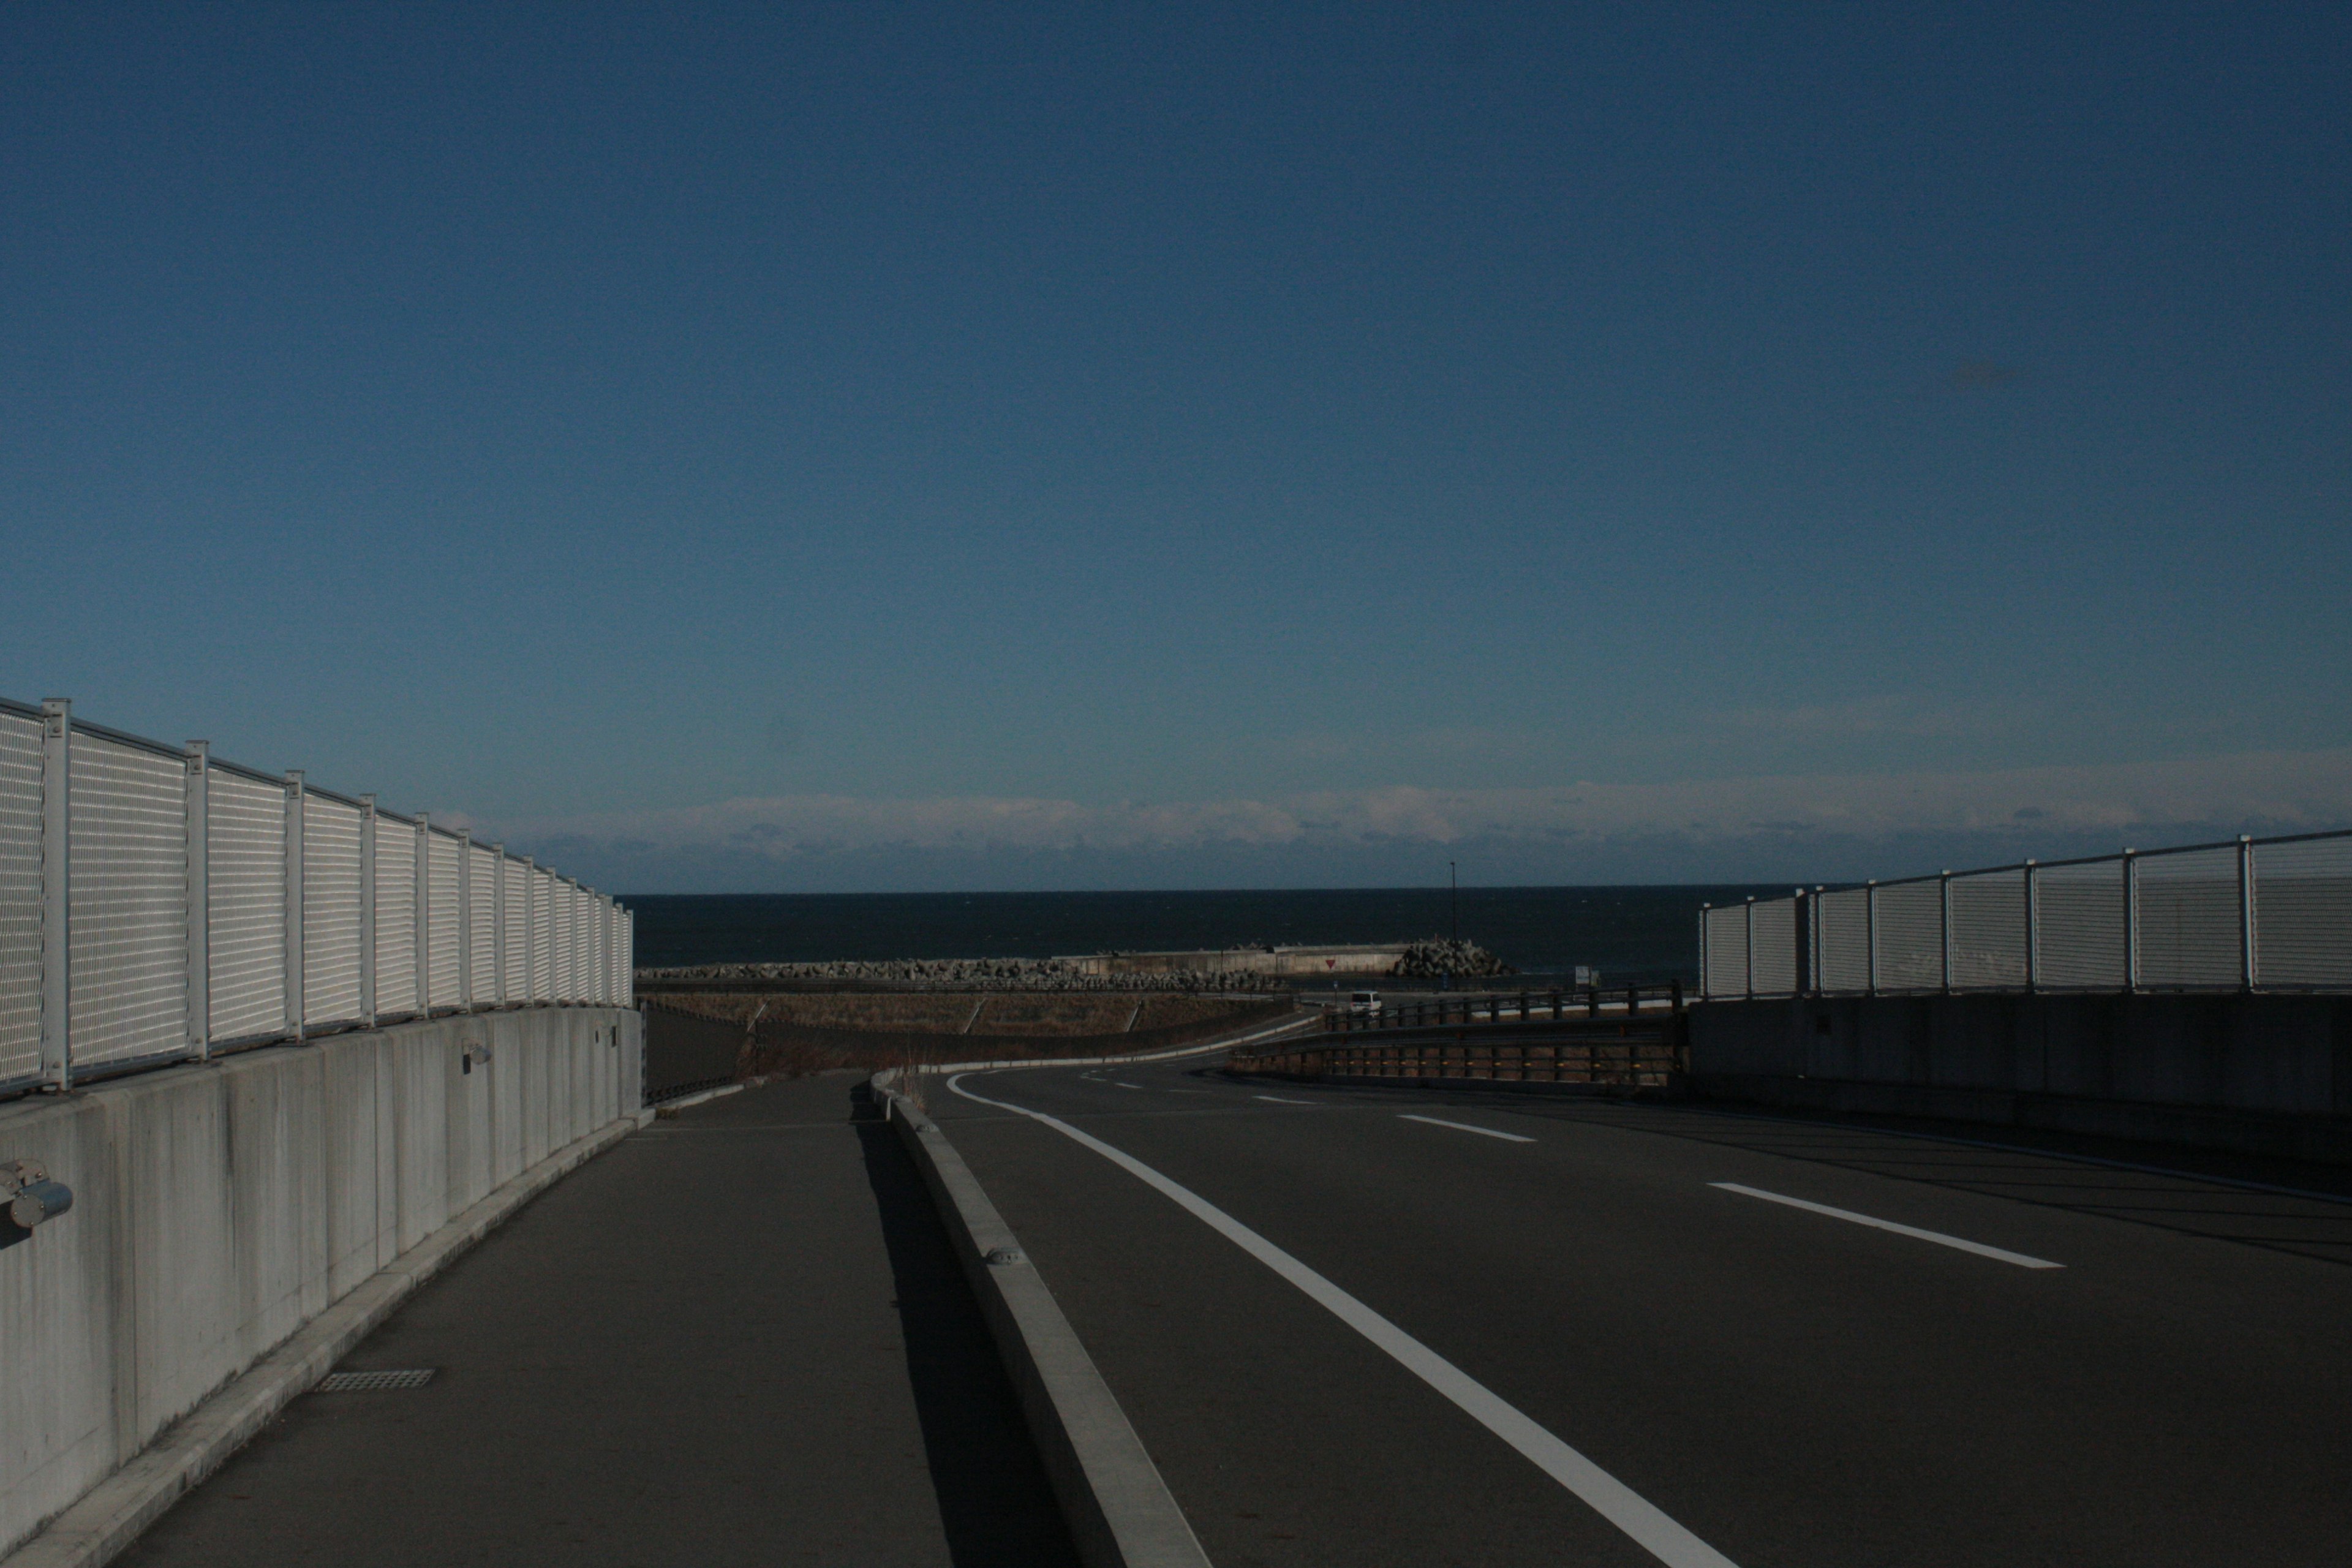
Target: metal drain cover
365	1381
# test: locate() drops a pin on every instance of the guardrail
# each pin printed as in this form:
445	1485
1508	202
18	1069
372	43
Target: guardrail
1626	1038
2251	914
1495	1006
160	905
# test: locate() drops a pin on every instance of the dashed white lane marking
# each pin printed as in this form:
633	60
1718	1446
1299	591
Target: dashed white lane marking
1937	1237
1277	1100
1115	1084
1649	1527
1465	1127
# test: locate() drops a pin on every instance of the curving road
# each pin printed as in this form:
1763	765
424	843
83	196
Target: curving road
1362	1326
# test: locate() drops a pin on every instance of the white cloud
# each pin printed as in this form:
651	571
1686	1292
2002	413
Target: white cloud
2278	791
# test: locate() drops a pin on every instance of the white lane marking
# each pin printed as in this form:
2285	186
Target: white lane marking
1616	1502
1937	1237
1118	1085
1465	1127
1277	1100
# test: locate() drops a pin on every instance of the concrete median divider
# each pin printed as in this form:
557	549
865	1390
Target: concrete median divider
1119	1512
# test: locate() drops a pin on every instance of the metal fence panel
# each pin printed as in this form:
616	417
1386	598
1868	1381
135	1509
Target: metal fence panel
2188	922
1726	951
444	989
583	950
244	890
2082	926
1846	940
395	917
2303	913
543	934
517	934
330	911
128	887
1773	960
20	897
1911	936
1989	930
482	914
563	922
628	960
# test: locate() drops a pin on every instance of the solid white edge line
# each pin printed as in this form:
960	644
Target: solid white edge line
1937	1237
1464	1127
1643	1522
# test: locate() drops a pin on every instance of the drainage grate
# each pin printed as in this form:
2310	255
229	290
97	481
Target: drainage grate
363	1382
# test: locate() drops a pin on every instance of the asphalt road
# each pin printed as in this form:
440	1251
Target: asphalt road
738	1337
1638	1288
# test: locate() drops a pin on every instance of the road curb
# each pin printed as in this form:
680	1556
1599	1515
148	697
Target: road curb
1118	1509
111	1515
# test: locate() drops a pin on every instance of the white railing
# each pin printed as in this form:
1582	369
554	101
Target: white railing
160	905
2256	914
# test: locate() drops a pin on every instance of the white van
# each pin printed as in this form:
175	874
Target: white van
1364	1005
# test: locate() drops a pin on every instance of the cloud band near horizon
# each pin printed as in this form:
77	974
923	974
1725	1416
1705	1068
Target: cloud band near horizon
1805	827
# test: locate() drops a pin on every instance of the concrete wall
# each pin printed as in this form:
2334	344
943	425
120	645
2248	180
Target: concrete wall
219	1207
2260	1074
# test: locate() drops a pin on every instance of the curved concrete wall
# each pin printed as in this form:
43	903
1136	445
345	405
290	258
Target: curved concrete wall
220	1206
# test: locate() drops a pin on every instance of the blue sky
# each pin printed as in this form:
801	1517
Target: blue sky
872	445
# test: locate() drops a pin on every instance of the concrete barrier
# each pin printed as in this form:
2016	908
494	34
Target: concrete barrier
1119	1510
221	1207
2256	1073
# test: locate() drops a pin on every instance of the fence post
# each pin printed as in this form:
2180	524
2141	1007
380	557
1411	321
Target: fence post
2033	929
294	902
1944	923
424	916
200	973
367	910
1870	931
1748	960
465	920
2131	919
499	924
56	863
2245	911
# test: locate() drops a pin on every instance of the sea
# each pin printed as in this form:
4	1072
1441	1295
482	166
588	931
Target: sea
1633	935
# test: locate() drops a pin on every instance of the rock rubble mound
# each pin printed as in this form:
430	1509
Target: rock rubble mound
1437	956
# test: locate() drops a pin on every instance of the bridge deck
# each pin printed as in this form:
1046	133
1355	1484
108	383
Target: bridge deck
738	1337
1786	1384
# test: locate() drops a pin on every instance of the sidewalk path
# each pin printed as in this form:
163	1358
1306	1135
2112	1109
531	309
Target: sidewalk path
739	1337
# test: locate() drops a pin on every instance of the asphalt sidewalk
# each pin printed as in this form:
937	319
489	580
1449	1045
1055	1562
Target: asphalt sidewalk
740	1336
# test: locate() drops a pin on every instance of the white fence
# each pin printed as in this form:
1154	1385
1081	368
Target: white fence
160	905
2259	914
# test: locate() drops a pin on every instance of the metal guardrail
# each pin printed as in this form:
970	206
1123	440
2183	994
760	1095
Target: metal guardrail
160	905
2253	914
1497	1006
1626	1036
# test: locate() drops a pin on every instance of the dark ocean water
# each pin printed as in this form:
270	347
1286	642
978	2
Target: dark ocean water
1636	933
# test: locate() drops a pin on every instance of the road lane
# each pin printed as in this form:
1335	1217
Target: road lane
1792	1391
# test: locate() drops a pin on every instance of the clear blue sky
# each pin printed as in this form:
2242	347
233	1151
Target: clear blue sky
633	426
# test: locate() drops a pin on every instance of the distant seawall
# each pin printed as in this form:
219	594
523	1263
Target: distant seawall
1286	962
